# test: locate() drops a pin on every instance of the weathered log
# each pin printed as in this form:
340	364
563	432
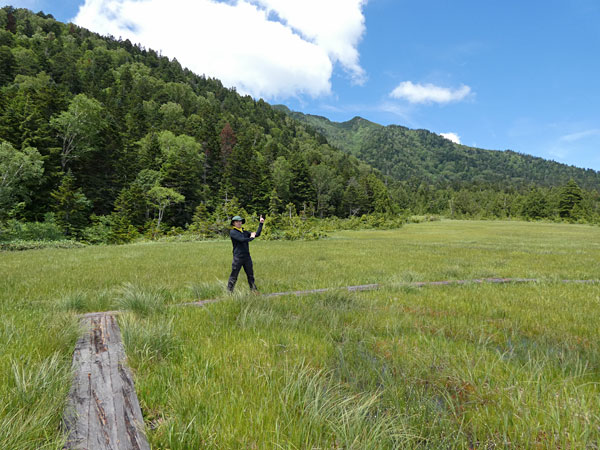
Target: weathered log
103	411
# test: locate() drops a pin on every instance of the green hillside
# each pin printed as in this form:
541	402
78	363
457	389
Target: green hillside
101	126
403	154
104	141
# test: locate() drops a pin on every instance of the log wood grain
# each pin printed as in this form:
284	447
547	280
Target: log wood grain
103	411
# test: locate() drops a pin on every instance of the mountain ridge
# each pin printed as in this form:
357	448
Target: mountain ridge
402	153
116	136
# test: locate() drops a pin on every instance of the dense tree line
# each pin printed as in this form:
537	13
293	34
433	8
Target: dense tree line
403	154
111	129
100	134
498	201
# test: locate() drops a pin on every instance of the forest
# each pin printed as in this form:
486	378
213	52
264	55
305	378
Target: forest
102	140
404	153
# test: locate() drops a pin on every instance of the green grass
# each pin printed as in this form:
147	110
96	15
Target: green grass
471	366
438	367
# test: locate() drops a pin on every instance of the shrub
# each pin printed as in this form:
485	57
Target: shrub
49	230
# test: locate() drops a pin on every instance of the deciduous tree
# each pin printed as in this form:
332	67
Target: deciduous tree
78	127
19	170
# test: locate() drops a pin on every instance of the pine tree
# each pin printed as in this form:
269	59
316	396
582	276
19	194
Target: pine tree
71	206
570	197
535	205
7	65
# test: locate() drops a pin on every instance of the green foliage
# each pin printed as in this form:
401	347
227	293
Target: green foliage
282	183
131	124
71	206
570	198
19	170
49	230
20	245
535	205
8	65
78	128
112	229
161	198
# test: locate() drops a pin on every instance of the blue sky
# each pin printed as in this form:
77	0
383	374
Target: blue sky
519	75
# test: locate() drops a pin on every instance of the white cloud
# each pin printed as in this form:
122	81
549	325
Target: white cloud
451	137
334	25
429	93
580	135
266	48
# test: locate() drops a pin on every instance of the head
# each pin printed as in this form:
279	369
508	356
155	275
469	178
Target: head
237	221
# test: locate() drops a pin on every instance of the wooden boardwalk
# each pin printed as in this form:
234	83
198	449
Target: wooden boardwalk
371	287
103	412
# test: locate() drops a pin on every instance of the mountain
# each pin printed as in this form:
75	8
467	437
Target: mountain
403	154
110	137
107	127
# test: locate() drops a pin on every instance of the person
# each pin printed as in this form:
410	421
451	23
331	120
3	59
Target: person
241	253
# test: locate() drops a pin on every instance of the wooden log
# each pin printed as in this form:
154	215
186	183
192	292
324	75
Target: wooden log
103	411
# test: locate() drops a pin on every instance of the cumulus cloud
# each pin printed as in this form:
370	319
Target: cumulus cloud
451	137
336	26
429	93
265	48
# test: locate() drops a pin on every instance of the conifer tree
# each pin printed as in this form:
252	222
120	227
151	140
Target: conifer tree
71	206
570	197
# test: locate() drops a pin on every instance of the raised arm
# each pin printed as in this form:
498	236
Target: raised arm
259	230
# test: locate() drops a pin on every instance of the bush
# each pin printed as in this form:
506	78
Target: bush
422	219
14	230
113	229
100	232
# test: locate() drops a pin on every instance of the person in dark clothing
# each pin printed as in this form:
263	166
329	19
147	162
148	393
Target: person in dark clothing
241	253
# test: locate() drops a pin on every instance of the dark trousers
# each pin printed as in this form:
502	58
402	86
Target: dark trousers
236	266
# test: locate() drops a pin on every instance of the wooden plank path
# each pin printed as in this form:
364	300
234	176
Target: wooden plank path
103	412
371	287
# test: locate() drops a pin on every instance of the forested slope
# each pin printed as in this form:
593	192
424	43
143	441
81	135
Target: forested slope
102	135
107	127
403	154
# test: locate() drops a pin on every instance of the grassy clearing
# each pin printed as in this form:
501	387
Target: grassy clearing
437	367
417	252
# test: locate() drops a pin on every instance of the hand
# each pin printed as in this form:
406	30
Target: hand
253	234
262	219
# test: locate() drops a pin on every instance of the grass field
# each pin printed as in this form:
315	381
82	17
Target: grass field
470	366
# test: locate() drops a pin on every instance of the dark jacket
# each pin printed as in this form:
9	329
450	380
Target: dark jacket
240	241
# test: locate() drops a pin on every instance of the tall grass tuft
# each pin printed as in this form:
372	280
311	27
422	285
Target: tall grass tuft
35	389
142	301
86	301
318	406
149	341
